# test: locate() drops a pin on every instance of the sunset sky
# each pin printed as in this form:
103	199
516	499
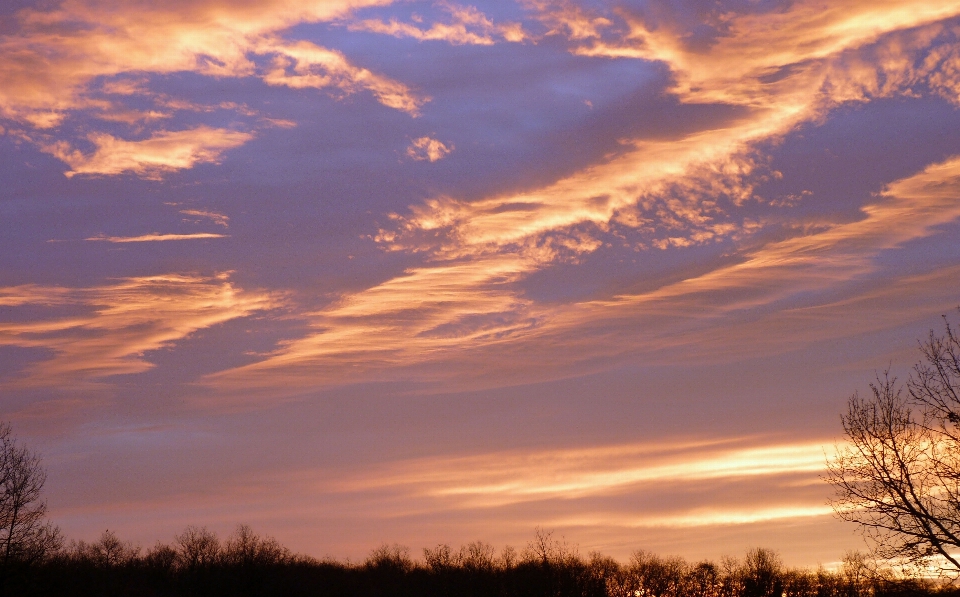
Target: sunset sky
362	271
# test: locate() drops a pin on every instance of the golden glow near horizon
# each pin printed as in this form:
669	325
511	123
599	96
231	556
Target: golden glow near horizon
502	478
501	482
318	210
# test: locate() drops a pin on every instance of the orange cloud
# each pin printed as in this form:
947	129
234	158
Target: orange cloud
817	49
907	209
425	148
432	314
319	68
700	517
54	54
566	487
155	237
111	327
466	295
567	18
745	64
503	478
151	158
53	60
469	26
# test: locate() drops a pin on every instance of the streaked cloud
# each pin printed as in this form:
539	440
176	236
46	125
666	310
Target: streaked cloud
435	313
305	65
621	486
478	492
96	332
700	518
155	237
503	478
907	209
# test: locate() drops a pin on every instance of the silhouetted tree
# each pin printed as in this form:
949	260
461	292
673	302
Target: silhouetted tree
608	574
856	574
477	556
762	574
26	536
245	548
656	576
704	580
439	558
546	550
162	558
197	548
390	557
899	475
108	551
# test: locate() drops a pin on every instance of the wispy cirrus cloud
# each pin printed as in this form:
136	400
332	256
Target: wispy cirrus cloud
498	479
670	189
55	54
105	330
676	192
436	312
155	237
66	60
305	65
215	217
466	26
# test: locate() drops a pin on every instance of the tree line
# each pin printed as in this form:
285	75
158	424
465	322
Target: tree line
198	563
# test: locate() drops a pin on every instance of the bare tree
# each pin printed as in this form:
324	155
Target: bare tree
762	573
25	534
390	557
245	548
656	576
546	550
197	547
109	551
477	556
440	558
898	476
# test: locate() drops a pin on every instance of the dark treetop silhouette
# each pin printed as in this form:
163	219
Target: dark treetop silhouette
247	564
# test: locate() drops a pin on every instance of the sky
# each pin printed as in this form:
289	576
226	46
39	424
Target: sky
357	272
